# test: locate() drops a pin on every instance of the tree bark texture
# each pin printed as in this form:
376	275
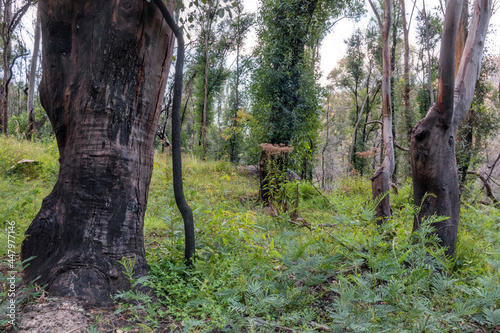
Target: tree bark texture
31	84
433	160
203	133
470	63
434	170
381	179
462	34
406	96
105	65
429	58
6	53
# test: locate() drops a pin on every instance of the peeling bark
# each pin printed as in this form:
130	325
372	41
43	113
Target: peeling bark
406	96
381	179
6	55
429	58
433	160
105	66
462	34
31	84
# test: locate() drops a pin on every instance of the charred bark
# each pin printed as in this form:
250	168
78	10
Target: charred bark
105	66
433	160
180	200
434	169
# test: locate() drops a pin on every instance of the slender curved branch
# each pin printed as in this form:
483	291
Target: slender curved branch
487	186
374	122
11	74
18	17
400	147
376	14
182	205
492	167
354	133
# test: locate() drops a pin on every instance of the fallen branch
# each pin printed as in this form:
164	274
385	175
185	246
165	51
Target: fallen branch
303	224
487	186
319	327
319	192
492	167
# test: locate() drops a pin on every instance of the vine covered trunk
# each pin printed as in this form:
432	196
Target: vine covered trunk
105	65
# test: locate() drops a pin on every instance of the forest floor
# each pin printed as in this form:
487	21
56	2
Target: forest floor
333	269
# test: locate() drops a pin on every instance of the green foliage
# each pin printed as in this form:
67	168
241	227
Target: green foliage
18	125
137	304
256	273
23	188
355	75
423	100
283	195
286	97
478	128
24	294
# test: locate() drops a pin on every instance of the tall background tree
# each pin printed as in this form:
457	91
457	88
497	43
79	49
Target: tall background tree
30	115
236	114
381	179
285	93
12	13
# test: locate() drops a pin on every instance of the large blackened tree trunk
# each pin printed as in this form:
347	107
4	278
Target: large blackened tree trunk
433	162
105	65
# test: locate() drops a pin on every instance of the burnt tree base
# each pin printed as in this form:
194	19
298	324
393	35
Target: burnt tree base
105	65
381	185
435	178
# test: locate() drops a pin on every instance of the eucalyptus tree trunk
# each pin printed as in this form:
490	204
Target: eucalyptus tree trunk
434	170
462	34
381	179
6	57
203	133
105	65
406	75
233	153
465	133
32	78
429	58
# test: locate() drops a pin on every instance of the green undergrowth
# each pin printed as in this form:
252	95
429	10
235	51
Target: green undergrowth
332	270
23	187
339	271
